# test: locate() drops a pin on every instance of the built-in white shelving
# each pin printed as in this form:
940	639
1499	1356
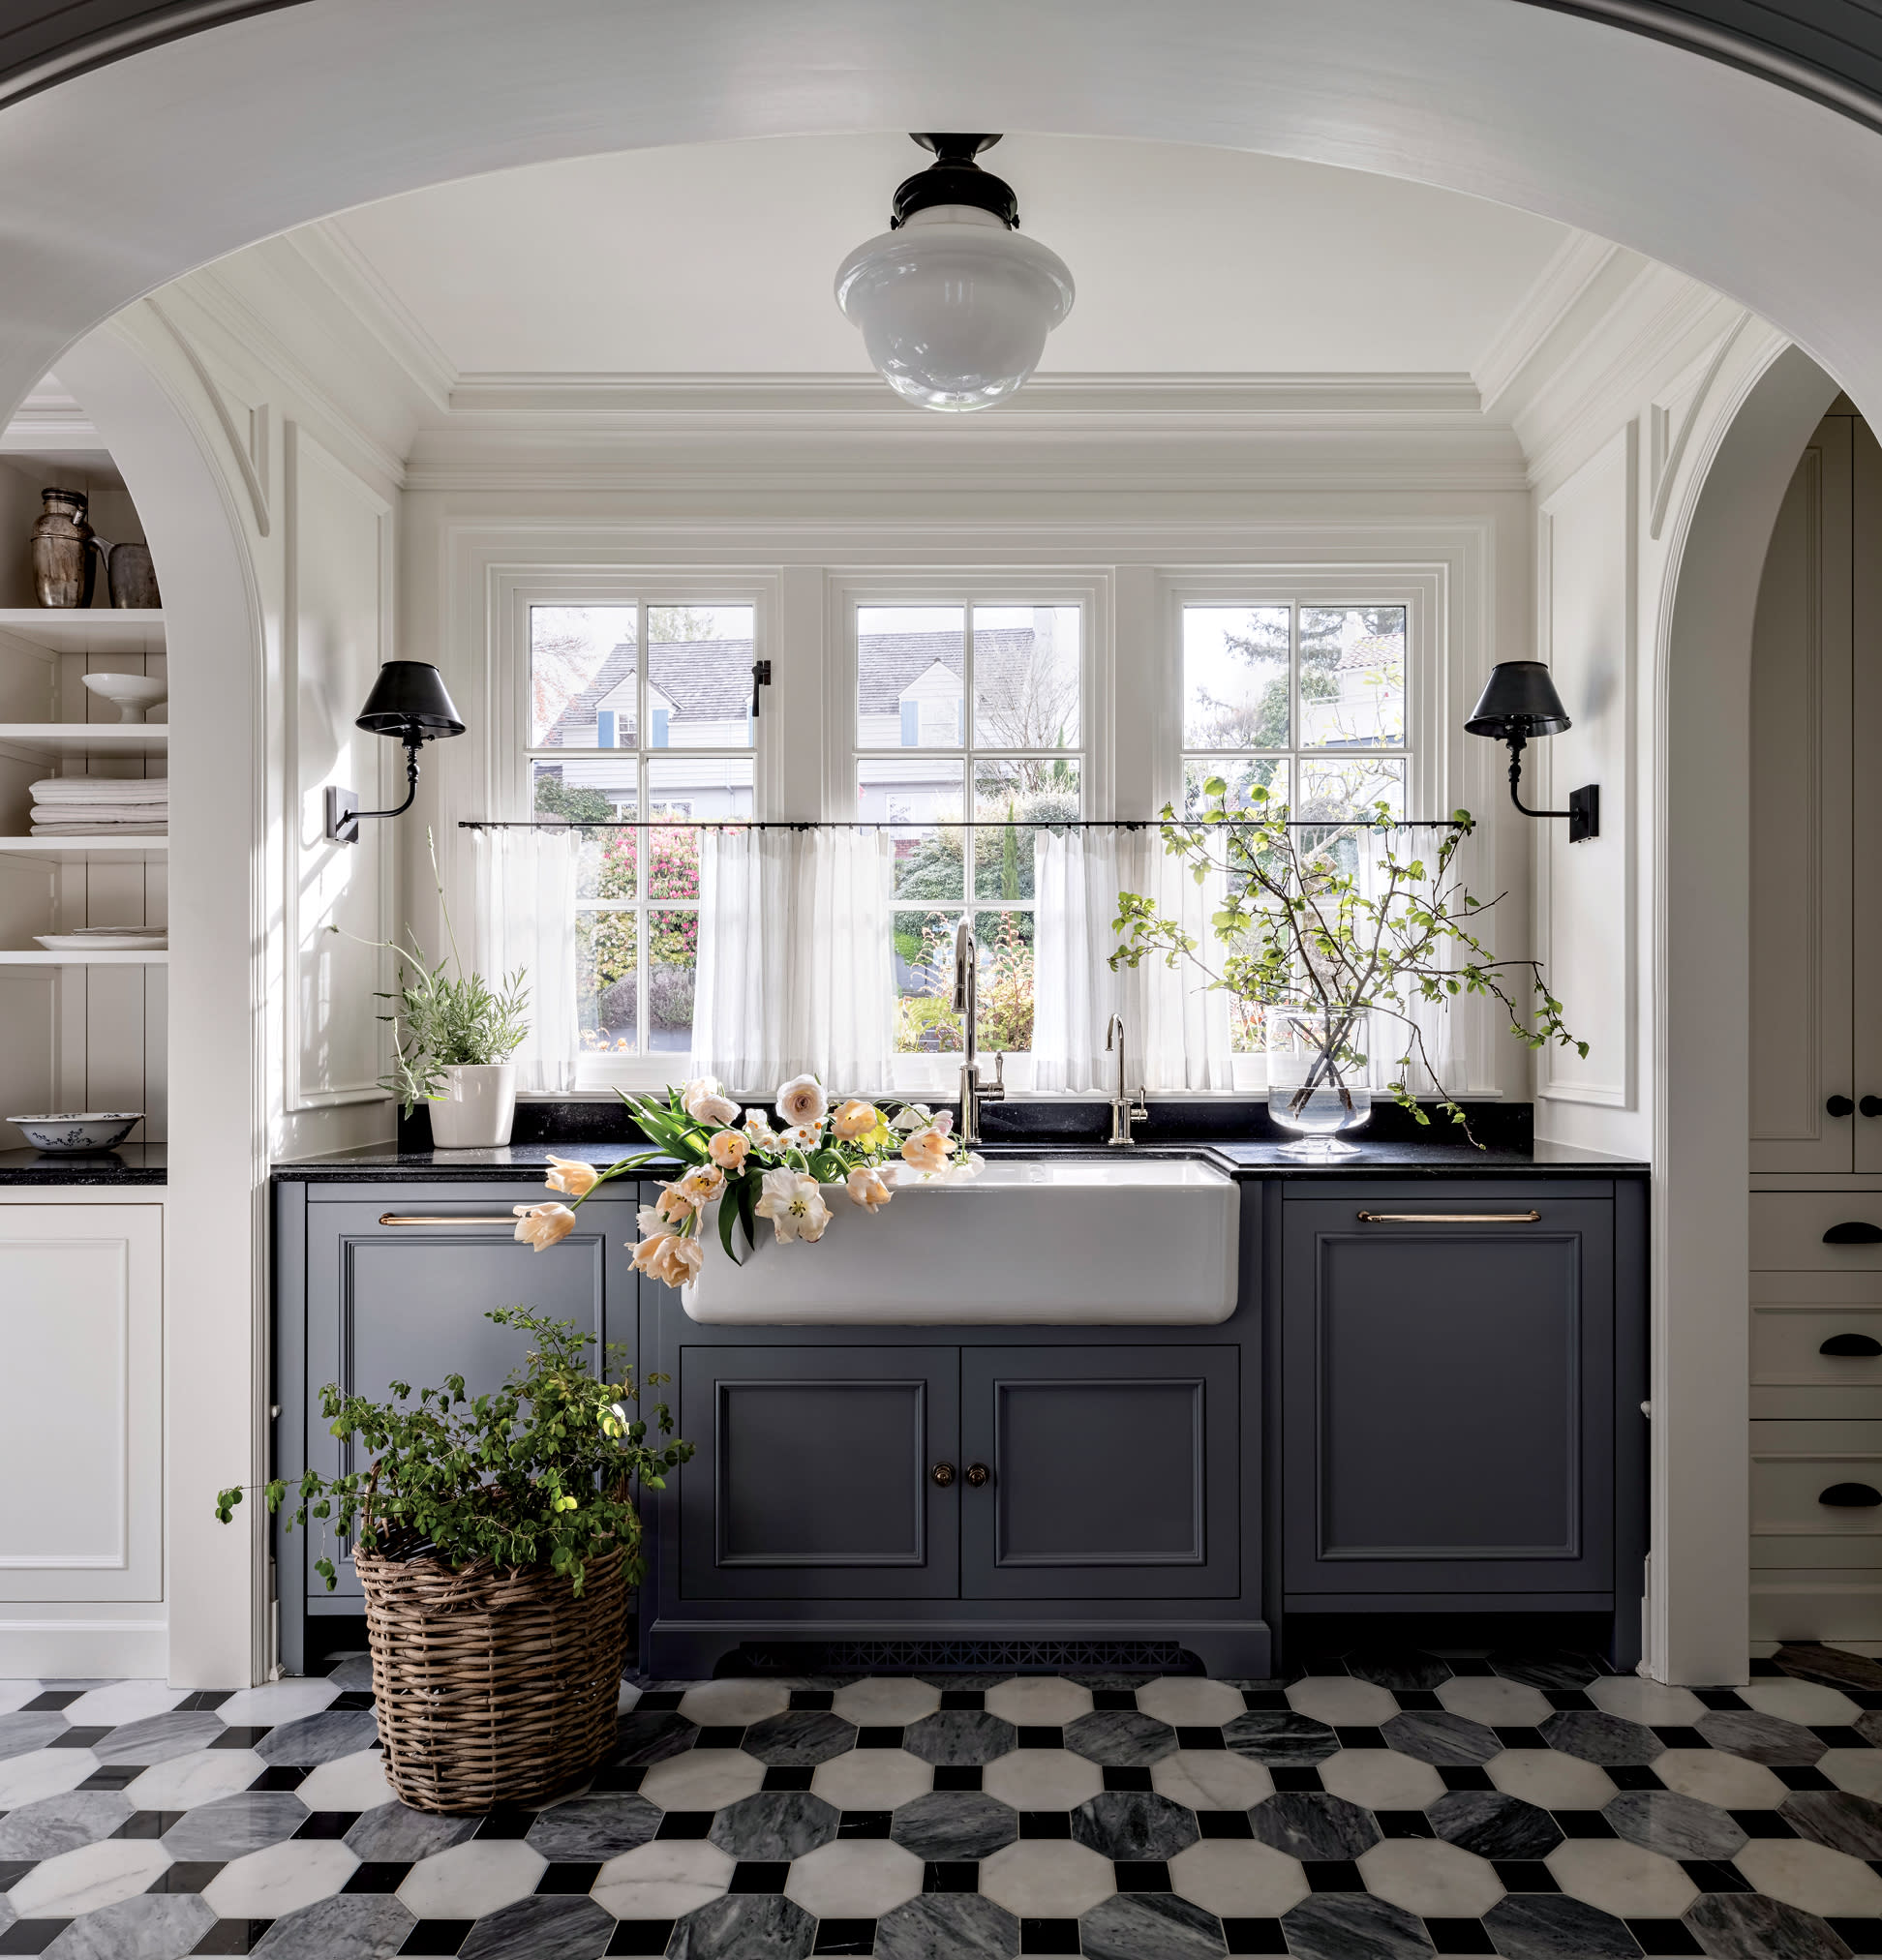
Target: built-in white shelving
91	629
91	849
105	739
38	957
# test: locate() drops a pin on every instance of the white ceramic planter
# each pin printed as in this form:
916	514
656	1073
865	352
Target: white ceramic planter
478	1107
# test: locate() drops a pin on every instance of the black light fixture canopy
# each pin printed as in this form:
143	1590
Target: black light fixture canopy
955	178
408	702
1519	703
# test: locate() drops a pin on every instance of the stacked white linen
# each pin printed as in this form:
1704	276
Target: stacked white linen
68	806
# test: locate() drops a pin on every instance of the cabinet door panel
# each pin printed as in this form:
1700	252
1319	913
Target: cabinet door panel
813	1474
1112	1473
1448	1400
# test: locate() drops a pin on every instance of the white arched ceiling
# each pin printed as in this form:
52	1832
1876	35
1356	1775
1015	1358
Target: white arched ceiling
119	180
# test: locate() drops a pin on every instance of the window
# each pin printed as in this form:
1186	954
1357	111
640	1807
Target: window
969	723
637	712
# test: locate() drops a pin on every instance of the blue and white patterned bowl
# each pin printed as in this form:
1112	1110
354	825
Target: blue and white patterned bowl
87	1130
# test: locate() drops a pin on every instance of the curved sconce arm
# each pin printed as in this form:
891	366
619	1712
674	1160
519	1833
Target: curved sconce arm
343	816
1583	811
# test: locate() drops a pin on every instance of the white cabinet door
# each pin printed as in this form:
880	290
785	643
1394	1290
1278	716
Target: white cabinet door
81	1357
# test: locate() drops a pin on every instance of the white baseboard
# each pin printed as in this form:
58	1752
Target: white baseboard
84	1650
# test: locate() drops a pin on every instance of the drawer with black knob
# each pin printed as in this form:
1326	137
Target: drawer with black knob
1816	1345
1826	1231
1815	1480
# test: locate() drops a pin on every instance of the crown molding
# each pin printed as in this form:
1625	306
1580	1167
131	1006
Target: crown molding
49	418
355	283
1574	267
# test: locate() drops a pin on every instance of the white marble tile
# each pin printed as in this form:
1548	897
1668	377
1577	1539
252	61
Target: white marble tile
1046	1879
854	1878
1812	1877
45	1772
1430	1877
1494	1701
1038	1701
199	1777
664	1880
123	1702
470	1880
1634	1699
1715	1776
885	1702
1855	1769
1041	1779
277	1701
94	1874
1382	1779
1551	1779
1237	1878
1188	1700
706	1779
16	1694
628	1697
1805	1701
870	1779
1343	1699
1212	1779
1621	1879
282	1879
347	1783
733	1703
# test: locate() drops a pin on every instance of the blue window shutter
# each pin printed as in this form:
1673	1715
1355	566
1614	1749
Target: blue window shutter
911	714
660	715
604	729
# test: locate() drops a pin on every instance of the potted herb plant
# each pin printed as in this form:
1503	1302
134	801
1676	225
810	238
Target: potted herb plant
496	1538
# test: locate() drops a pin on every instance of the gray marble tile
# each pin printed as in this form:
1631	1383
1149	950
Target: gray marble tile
1552	1927
1674	1826
1281	1739
29	1730
591	1829
349	1927
651	1737
158	1737
1546	1671
948	1926
1748	1926
1761	1738
954	1824
393	1834
321	1739
232	1826
1150	1927
1437	1736
803	1739
1494	1825
739	1927
1404	1673
774	1825
1836	1817
62	1824
1134	1824
1601	1738
1311	1823
962	1735
155	1926
1351	1926
542	1928
354	1674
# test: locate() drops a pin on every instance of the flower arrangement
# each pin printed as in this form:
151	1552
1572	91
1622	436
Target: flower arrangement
755	1166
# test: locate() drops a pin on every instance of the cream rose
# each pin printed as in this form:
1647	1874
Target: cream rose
793	1204
668	1257
729	1149
856	1118
702	1184
540	1226
567	1174
927	1150
802	1101
868	1189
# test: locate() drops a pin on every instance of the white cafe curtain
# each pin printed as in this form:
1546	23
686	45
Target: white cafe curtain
525	884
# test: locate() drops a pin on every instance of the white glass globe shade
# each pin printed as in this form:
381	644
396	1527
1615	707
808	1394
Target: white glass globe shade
954	308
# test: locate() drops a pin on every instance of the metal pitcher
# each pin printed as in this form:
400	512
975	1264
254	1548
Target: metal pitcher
129	574
63	569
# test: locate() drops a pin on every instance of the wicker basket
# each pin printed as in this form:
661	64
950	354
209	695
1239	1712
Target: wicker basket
492	1687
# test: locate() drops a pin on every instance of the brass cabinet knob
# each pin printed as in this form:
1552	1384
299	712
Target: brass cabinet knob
943	1474
977	1475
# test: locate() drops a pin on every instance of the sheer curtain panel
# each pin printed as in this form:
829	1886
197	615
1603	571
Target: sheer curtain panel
525	884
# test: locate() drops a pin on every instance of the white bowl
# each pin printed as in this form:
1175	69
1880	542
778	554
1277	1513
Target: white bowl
88	1129
129	693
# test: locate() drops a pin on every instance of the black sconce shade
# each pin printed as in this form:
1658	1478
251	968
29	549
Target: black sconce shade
409	701
1519	699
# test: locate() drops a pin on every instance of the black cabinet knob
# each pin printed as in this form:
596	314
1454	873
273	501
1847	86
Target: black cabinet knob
943	1474
1851	1497
1841	1106
1851	1343
1871	1105
977	1475
1854	1232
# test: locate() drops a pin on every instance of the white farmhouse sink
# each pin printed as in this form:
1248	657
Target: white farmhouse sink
1105	1243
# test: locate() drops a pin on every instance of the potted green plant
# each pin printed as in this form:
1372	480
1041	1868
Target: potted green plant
496	1538
1327	934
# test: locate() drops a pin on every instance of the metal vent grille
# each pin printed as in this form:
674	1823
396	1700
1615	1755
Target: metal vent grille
864	1657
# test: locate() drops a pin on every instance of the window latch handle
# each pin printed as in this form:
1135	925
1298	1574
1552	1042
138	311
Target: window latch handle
760	680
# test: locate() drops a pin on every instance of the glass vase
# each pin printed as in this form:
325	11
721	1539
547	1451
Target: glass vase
1319	1077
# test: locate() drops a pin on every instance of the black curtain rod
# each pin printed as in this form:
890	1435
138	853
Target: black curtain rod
960	823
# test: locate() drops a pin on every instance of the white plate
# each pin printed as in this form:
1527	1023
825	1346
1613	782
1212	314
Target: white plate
103	942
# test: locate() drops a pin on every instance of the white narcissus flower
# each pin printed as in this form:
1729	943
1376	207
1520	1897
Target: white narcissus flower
868	1189
570	1175
793	1204
806	1136
916	1116
757	1126
540	1226
855	1118
702	1184
802	1101
927	1151
729	1149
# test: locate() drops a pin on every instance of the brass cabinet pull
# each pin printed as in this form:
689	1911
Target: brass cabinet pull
977	1475
1449	1218
406	1219
943	1474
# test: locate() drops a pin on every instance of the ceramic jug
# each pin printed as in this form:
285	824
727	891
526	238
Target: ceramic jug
130	577
63	568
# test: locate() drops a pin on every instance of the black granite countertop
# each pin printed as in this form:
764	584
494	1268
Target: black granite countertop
129	1164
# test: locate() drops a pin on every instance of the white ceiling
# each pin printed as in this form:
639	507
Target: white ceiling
718	259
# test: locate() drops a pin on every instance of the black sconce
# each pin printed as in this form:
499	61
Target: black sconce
408	702
1518	704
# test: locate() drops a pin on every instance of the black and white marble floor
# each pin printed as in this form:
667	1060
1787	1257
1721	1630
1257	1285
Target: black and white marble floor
1376	1807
